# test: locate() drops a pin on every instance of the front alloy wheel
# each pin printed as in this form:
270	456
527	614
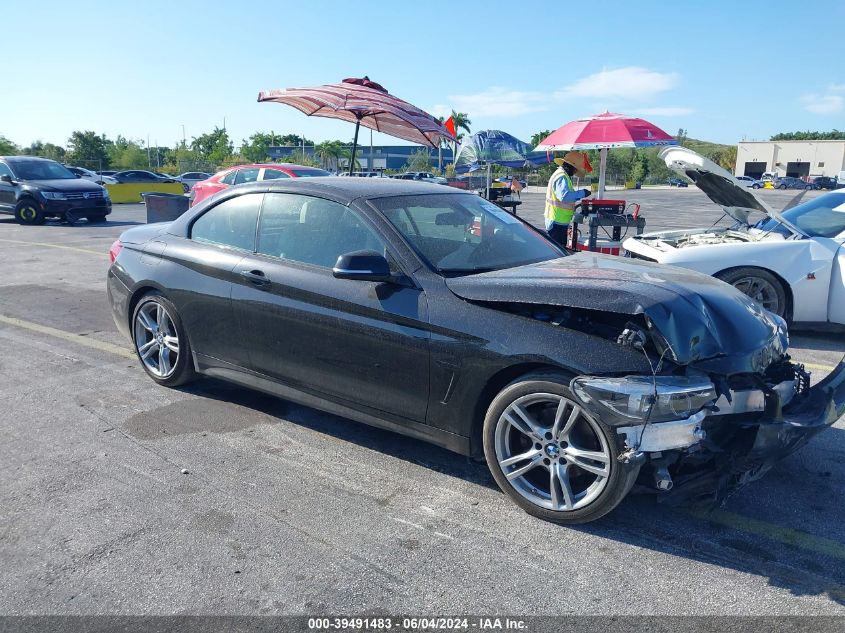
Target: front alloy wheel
551	452
160	342
550	455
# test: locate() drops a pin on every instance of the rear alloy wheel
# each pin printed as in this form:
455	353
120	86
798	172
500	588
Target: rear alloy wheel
28	212
550	455
160	341
760	285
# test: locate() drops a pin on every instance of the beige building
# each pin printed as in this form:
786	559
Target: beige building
800	159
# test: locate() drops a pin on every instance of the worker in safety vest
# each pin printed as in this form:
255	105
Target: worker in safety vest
561	196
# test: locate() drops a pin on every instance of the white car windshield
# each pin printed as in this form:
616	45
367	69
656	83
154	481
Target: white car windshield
821	217
461	234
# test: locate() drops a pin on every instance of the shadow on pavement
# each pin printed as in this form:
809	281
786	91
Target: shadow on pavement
784	527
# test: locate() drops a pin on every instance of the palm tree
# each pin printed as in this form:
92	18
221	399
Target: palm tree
462	122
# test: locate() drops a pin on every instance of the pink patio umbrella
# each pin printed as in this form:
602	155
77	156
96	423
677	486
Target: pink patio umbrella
603	132
366	103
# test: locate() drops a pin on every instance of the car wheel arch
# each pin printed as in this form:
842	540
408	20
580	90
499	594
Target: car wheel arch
139	293
787	288
492	388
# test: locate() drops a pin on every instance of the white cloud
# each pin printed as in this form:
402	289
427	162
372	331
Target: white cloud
836	87
823	104
630	82
664	111
494	102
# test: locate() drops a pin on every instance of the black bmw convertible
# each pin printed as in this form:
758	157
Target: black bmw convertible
436	314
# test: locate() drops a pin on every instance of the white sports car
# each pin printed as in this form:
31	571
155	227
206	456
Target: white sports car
791	262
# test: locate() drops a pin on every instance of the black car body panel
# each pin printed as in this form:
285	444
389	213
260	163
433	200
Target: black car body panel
425	354
698	315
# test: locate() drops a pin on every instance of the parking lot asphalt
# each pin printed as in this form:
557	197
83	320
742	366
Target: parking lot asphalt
287	510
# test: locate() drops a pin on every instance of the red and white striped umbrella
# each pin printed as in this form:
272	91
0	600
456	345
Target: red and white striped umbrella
608	130
366	103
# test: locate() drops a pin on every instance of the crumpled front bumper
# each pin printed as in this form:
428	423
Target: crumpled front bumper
779	431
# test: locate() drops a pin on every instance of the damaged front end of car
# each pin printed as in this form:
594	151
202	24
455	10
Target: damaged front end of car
722	402
702	427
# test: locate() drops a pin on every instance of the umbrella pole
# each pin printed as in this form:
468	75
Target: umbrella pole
602	169
354	147
489	181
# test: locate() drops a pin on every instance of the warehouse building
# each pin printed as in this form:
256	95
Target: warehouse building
799	159
374	158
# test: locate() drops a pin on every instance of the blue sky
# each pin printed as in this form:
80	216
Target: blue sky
722	70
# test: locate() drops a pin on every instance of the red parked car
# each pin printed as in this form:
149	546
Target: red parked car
250	173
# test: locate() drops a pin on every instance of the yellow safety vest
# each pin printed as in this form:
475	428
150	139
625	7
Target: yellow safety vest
556	209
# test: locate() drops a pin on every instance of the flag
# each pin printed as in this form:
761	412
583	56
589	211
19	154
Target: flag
450	125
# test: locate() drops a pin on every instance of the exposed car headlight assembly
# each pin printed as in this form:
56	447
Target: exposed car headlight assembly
53	195
633	399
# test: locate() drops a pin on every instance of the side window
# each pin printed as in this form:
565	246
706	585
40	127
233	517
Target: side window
312	230
230	223
229	179
5	171
247	175
274	174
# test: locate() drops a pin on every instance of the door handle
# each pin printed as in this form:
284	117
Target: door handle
256	277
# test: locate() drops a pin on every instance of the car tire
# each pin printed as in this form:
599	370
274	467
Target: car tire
755	186
96	219
759	284
28	212
781	186
157	333
585	488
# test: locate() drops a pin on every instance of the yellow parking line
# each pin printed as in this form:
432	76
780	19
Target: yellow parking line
788	536
69	336
68	248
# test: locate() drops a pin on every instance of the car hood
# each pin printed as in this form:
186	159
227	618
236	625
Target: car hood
66	184
718	184
700	317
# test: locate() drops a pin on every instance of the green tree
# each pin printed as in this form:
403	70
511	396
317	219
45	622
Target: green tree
639	168
7	148
289	140
833	135
128	154
462	122
88	148
298	157
419	161
45	150
255	149
330	153
681	136
537	137
214	147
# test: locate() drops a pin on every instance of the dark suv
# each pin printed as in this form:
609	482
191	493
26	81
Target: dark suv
34	189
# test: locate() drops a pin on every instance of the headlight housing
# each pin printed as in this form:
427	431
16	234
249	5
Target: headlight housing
632	399
53	195
106	193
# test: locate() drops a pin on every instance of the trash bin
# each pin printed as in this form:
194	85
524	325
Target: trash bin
164	207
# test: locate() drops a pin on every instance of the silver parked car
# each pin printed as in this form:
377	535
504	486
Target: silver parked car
190	178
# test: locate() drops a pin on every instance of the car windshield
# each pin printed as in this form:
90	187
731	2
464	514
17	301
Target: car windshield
41	170
461	234
309	173
821	217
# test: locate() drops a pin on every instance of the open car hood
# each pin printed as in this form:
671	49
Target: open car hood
721	187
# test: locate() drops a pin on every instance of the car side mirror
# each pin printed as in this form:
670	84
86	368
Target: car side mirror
6	178
363	266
